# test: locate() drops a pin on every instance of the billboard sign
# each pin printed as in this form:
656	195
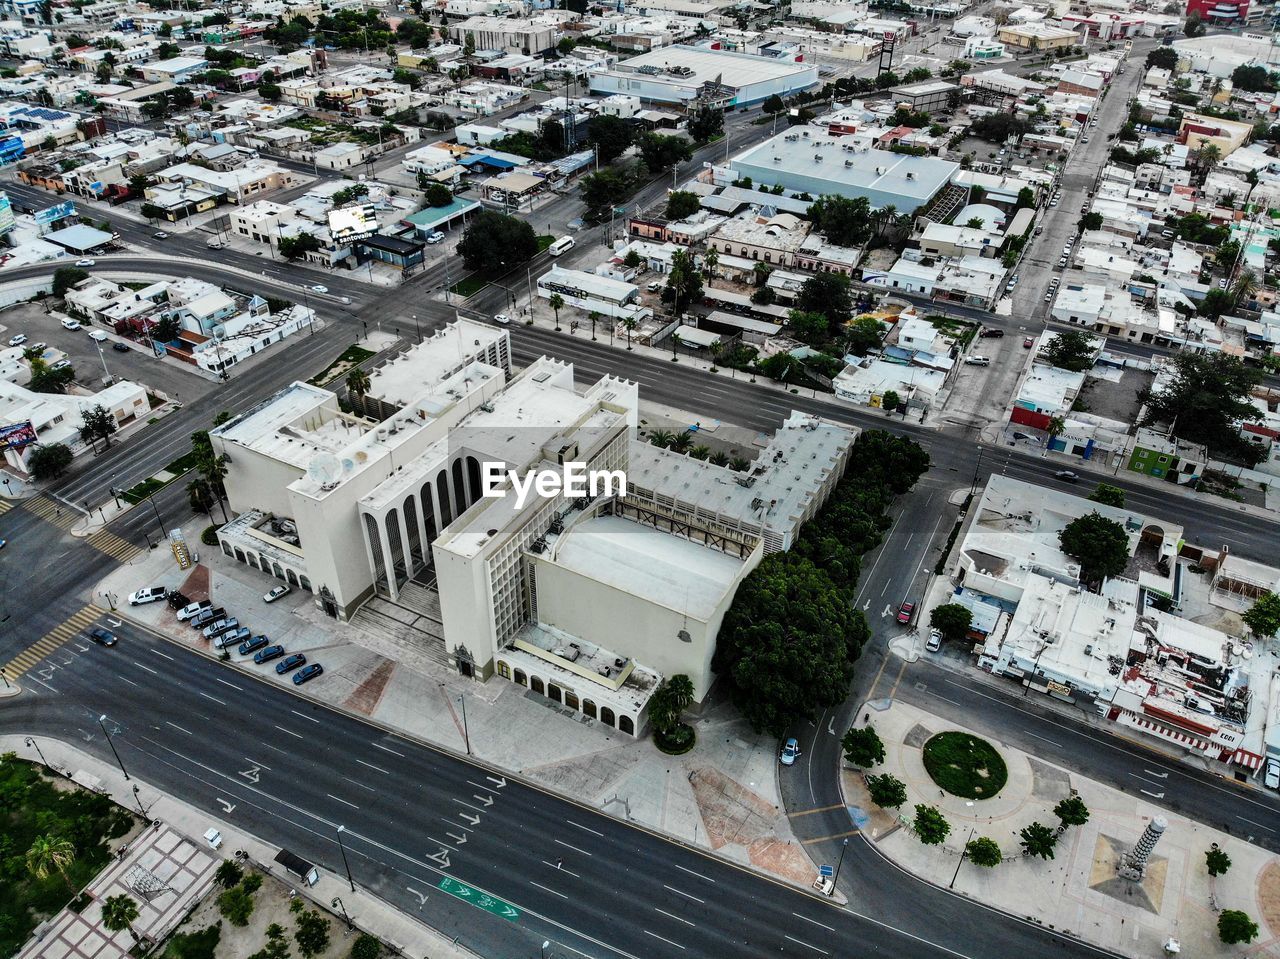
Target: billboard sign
54	213
6	213
17	435
355	222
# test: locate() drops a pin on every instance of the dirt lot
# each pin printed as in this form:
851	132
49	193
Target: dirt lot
270	904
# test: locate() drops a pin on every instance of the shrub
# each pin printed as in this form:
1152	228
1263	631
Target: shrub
209	536
236	905
366	947
1216	861
228	874
930	825
887	791
984	852
1235	927
965	765
862	747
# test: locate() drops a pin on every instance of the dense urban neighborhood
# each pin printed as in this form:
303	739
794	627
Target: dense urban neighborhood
490	478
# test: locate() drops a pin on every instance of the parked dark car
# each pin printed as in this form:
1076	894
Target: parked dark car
991	334
268	654
178	600
307	672
202	619
253	645
290	663
120	347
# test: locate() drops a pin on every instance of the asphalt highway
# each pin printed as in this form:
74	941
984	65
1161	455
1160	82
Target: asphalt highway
292	772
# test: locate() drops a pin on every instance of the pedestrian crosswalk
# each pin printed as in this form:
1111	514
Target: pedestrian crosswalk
5	506
108	542
73	625
63	517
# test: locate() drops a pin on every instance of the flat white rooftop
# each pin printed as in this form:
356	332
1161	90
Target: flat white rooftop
662	568
422	368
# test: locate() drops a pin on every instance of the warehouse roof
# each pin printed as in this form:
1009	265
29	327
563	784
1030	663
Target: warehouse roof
732	69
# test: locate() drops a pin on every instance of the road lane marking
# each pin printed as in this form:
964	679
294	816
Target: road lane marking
225	683
282	752
304	715
545	889
290	732
807	945
372	766
156	652
123	679
810	812
692	873
1043	740
838	835
559	868
147	668
667	941
214	698
585	829
467	804
387	749
1258	824
685	894
458	824
356	782
258	764
343	801
676	918
574	848
177	727
814	921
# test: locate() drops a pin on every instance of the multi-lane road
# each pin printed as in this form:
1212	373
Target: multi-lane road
194	728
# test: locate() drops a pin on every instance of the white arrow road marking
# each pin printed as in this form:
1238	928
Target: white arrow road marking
250	774
442	857
887	610
498	781
1158	795
866	606
226	806
1155	774
474	820
458	840
114	622
487	800
421	896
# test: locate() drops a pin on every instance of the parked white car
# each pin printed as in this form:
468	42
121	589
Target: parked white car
152	594
98	336
70	324
276	592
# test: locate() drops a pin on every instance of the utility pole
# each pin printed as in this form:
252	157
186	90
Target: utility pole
102	721
964	852
345	864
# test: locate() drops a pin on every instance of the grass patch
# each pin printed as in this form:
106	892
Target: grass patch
31	806
471	285
682	739
194	945
965	765
187	461
544	241
351	356
136	494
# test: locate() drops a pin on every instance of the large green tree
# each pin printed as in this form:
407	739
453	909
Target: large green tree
611	136
1235	927
788	643
49	461
952	620
886	791
845	221
864	334
863	747
930	826
828	294
684	283
120	913
495	241
65	277
1070	350
681	205
97	423
706	124
1038	840
984	852
1263	616
1108	495
661	152
1098	544
1205	401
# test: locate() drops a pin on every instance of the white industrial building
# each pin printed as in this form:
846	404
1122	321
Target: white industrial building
593	293
680	74
589	601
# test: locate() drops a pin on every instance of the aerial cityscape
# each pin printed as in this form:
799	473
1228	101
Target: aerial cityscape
660	478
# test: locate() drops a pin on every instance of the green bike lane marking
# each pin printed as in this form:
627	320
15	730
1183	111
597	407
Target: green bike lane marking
480	900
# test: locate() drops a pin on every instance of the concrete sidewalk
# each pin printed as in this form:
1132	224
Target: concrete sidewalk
722	796
1077	892
184	825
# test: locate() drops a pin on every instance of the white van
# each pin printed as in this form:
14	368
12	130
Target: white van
562	245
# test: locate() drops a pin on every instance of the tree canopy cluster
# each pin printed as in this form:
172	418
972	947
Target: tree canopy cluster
998	127
1070	350
789	641
496	240
845	221
1098	544
1205	401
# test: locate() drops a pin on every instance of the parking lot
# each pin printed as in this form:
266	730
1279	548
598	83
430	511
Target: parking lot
135	363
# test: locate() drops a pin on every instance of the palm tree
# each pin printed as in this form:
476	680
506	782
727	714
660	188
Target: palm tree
682	442
51	853
700	452
760	273
710	260
630	323
719	458
675	342
557	304
680	689
358	383
1056	425
715	349
120	912
1244	287
1207	155
662	438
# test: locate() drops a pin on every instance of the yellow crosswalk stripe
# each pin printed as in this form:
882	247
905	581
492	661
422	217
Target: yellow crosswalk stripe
64	517
70	627
5	506
107	542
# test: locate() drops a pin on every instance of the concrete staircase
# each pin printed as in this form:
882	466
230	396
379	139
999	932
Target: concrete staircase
409	631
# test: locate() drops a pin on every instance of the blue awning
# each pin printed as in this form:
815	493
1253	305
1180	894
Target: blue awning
495	162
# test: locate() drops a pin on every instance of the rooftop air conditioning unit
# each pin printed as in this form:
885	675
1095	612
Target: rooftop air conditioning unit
805	134
848	163
817	158
911	176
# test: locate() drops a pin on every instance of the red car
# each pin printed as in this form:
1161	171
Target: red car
905	611
1028	343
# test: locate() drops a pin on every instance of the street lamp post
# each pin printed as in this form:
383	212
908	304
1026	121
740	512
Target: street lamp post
839	862
36	746
964	852
138	800
338	904
105	372
466	735
345	864
159	521
102	721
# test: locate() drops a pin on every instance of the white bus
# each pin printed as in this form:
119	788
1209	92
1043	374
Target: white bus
562	245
